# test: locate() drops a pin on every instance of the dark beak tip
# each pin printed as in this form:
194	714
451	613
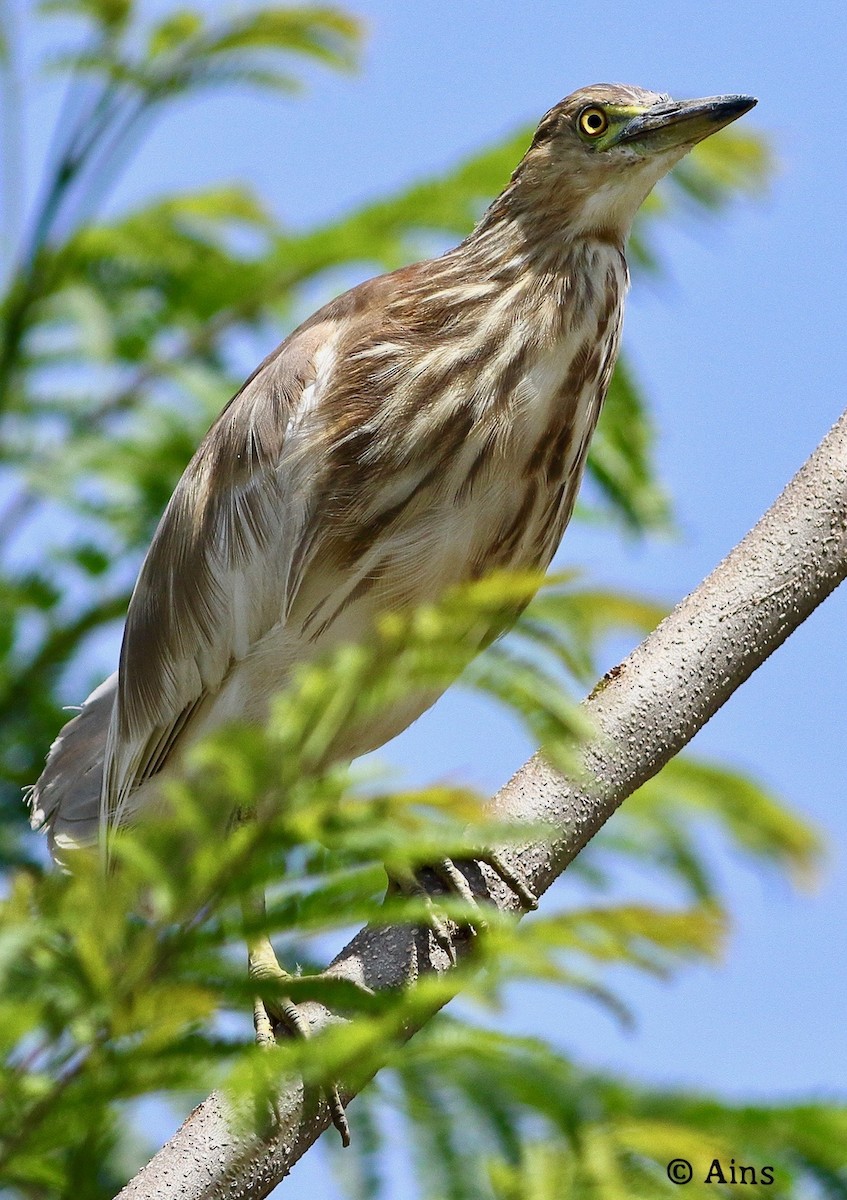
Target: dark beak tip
738	105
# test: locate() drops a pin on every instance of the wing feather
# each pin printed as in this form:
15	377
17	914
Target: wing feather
218	574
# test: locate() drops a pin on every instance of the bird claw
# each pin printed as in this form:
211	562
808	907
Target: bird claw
281	1015
513	881
454	880
410	886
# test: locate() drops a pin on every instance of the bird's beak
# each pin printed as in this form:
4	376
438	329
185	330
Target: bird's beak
673	123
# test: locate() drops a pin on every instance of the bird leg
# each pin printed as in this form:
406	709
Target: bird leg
280	1013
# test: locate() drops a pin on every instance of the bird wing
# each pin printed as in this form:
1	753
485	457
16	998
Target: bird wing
223	565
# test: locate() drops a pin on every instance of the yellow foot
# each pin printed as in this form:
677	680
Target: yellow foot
280	1014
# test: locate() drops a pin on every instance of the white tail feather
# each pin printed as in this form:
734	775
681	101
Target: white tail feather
66	799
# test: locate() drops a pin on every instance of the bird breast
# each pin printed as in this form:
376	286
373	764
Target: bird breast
512	426
470	463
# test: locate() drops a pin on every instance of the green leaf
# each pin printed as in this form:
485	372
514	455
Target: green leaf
757	823
326	34
621	460
170	34
112	16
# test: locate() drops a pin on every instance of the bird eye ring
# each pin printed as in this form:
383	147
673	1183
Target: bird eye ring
593	122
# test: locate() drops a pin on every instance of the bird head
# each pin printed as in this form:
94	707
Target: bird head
596	155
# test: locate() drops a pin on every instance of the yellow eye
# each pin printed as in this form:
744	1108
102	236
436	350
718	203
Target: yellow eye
593	122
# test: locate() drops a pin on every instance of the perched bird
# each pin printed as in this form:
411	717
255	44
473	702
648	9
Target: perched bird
423	429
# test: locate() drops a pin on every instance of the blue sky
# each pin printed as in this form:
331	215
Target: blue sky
744	357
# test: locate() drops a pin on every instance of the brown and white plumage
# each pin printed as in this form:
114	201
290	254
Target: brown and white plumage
421	430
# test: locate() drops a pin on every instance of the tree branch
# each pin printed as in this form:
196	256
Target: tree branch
644	712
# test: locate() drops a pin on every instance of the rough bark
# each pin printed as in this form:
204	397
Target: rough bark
644	712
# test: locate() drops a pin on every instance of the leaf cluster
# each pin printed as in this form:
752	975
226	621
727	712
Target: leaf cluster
121	984
553	1129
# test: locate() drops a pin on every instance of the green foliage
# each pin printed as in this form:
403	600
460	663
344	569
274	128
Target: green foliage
182	52
117	345
621	461
658	824
99	1005
113	986
552	1129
